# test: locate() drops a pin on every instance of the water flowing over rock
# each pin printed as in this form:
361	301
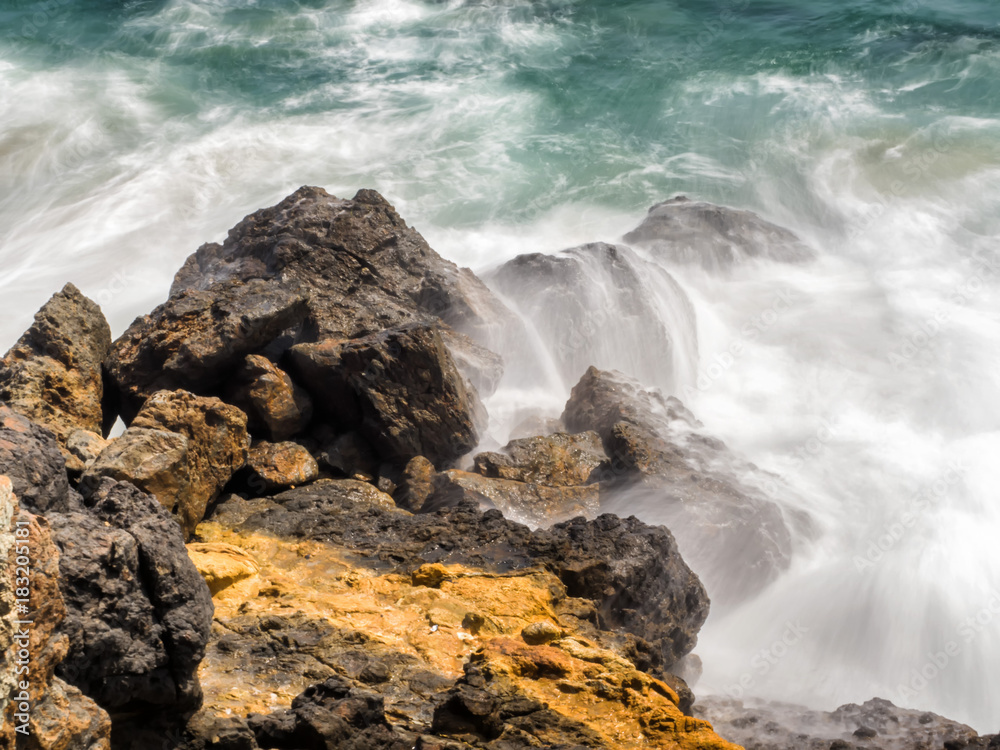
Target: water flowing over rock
684	231
602	305
52	375
734	535
399	388
138	612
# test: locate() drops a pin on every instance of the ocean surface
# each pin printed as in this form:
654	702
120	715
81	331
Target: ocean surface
131	132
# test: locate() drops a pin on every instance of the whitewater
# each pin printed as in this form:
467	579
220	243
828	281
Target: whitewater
867	379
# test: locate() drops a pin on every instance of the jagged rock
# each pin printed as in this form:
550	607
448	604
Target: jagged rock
399	388
58	716
52	375
416	484
218	444
602	305
632	571
728	528
348	454
278	466
82	449
276	407
30	456
197	339
533	504
557	460
875	723
138	612
684	231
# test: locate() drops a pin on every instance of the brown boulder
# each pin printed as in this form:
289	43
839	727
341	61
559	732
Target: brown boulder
52	375
279	466
558	460
399	388
416	484
276	407
82	449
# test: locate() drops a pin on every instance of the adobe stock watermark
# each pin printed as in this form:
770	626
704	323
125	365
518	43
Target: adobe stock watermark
22	633
767	658
894	531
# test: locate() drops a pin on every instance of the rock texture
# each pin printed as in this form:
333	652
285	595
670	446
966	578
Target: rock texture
38	711
877	723
30	457
400	389
557	460
278	466
138	613
685	231
52	375
276	407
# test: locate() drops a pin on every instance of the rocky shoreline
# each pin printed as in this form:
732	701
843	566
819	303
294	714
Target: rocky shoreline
293	543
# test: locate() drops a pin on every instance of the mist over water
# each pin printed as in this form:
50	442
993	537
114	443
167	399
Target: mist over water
867	378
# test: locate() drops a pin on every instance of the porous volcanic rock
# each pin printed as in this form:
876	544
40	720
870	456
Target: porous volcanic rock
684	231
52	375
30	456
276	407
82	449
138	612
278	466
399	388
556	460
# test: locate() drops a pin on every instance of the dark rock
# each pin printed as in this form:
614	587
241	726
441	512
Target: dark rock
348	454
685	231
196	340
399	388
595	305
558	460
138	612
416	484
632	571
276	407
783	726
52	375
533	504
208	732
30	456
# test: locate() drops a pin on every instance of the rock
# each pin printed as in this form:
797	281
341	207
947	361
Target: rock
30	456
348	454
82	449
416	484
398	388
633	572
198	338
276	407
222	565
138	612
709	497
58	716
557	460
218	444
363	269
533	504
684	231
539	633
52	375
783	726
279	466
600	305
430	574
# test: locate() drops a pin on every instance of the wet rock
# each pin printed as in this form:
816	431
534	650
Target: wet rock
218	444
30	456
709	497
399	388
82	449
557	460
59	716
348	454
684	231
533	504
138	612
278	466
633	572
52	375
783	726
416	484
276	407
198	338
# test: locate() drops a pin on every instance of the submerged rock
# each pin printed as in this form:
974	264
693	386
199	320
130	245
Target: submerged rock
52	375
399	388
684	231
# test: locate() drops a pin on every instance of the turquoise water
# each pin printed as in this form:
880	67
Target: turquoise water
132	132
